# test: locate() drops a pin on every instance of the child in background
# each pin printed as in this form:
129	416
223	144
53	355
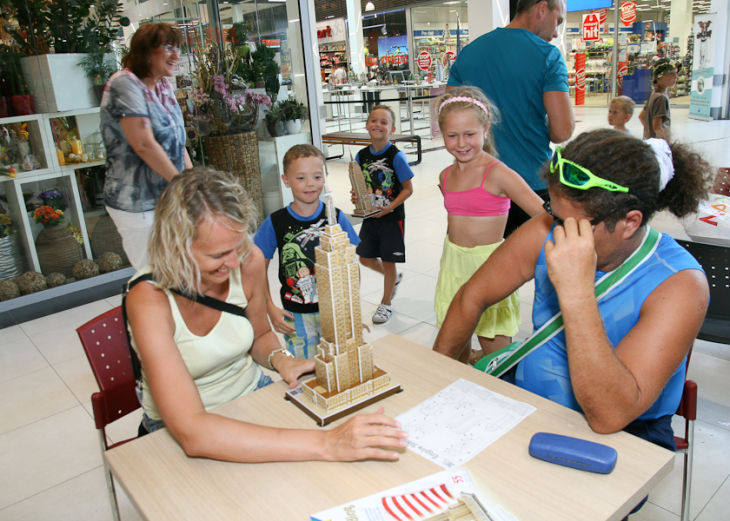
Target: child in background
295	232
620	111
477	190
382	235
656	116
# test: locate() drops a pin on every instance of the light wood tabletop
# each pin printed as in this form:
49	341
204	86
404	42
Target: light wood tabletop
165	484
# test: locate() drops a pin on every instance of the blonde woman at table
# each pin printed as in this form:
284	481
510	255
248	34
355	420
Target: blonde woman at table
194	357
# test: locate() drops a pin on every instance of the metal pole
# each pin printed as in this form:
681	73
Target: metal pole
614	68
409	91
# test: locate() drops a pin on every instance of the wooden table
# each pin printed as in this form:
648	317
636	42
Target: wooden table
165	484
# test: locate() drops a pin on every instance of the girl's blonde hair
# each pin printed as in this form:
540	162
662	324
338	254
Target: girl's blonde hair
487	117
195	195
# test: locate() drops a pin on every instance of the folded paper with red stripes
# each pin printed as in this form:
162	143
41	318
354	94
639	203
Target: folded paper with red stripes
451	494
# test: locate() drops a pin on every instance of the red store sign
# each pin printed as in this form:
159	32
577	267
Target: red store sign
628	13
398	59
591	27
580	79
623	70
424	61
373	60
602	14
325	33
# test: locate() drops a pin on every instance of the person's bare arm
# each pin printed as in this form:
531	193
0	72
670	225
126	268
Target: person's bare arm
265	341
188	161
559	109
659	129
642	115
276	314
138	132
615	386
512	185
204	434
508	268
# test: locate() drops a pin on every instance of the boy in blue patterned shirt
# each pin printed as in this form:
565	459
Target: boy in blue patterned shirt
388	178
294	231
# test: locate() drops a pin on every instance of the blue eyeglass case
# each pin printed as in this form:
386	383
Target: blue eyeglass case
573	452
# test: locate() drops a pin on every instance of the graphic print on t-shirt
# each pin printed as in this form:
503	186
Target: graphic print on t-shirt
380	180
297	265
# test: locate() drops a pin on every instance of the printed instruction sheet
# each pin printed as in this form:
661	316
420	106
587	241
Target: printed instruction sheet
460	421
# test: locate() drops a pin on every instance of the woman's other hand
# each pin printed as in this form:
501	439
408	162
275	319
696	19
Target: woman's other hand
366	436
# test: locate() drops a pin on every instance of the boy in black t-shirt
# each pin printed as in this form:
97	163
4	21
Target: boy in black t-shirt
388	178
295	232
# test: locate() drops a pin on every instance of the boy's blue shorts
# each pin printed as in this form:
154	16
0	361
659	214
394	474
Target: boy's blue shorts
303	342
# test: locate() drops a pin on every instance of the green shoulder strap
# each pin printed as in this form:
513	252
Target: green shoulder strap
506	358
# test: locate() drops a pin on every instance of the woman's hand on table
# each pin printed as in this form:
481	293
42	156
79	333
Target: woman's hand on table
291	369
364	436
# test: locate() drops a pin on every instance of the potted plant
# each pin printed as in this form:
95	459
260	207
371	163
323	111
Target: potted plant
274	119
225	113
98	66
294	114
51	34
57	248
261	69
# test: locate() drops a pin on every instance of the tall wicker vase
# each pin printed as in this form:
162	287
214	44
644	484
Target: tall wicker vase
105	237
57	250
239	154
11	258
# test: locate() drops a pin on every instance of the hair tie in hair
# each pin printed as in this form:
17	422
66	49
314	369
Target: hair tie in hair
666	163
465	99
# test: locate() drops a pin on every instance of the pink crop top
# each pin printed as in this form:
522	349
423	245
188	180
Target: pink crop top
476	202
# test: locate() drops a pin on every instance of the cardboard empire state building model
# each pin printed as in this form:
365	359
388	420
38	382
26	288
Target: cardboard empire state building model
346	378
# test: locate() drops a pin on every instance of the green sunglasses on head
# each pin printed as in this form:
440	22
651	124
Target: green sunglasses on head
576	176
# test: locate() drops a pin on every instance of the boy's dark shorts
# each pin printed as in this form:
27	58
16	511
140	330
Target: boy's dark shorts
382	239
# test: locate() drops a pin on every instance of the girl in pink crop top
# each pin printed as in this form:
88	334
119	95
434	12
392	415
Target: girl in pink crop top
477	191
476	202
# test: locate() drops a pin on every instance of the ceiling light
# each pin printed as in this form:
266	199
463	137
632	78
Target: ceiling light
370	6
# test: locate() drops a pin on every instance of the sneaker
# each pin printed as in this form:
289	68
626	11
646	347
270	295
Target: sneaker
398	278
382	314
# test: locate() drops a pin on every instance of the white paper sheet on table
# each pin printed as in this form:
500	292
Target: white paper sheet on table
459	422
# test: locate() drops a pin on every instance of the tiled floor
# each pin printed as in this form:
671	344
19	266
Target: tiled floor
49	454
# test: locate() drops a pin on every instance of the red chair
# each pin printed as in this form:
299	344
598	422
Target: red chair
106	347
685	444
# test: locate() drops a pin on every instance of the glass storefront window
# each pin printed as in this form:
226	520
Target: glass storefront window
440	31
386	40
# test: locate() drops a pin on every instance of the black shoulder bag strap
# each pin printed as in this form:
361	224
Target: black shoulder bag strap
205	300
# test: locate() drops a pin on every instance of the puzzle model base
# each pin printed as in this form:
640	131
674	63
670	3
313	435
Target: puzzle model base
363	213
324	417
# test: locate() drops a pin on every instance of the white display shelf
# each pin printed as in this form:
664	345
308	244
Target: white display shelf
51	175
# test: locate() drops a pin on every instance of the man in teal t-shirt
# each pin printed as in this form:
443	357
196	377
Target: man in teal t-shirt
526	78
